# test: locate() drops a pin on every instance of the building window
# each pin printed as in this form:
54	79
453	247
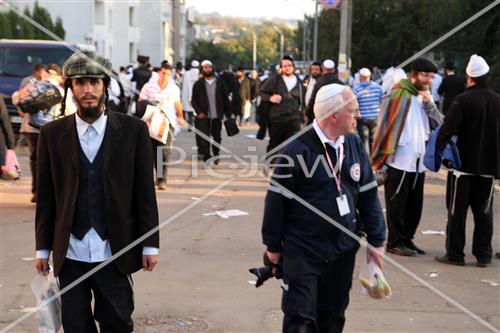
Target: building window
99	13
131	16
132	52
110	20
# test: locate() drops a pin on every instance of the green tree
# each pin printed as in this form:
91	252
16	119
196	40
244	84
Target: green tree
5	26
42	17
59	29
27	30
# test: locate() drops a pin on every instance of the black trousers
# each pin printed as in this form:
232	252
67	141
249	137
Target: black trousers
404	198
316	295
113	299
280	131
370	125
32	144
211	128
476	192
164	152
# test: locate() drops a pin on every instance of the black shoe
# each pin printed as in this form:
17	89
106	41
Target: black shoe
445	260
401	251
497	255
483	263
33	199
415	248
162	185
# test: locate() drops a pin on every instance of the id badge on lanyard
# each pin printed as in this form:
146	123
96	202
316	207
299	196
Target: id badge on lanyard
342	202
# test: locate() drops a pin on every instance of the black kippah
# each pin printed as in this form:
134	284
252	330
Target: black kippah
423	65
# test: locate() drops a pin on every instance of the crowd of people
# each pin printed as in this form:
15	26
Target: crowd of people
371	131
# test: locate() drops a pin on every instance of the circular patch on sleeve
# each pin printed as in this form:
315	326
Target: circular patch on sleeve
355	172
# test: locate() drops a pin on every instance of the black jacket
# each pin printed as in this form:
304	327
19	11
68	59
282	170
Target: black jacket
7	139
243	94
323	80
292	102
451	86
199	99
474	116
255	88
294	228
127	177
141	76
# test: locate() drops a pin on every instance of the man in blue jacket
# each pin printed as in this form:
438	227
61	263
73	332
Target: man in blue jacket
328	168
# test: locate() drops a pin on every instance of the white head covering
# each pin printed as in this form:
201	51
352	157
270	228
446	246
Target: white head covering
195	63
329	100
206	63
477	66
328	64
364	72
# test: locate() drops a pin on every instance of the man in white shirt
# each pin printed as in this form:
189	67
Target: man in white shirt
190	77
96	197
162	91
407	117
314	74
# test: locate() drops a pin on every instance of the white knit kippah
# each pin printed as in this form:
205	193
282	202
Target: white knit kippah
477	66
325	99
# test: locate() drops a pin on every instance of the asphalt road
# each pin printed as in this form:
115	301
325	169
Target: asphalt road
202	281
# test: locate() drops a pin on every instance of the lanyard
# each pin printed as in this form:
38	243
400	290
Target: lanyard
338	166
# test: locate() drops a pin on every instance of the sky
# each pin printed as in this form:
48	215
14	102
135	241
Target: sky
287	9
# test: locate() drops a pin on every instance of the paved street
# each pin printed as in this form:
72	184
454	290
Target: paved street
202	281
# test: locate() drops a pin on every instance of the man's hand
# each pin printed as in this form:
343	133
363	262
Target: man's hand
42	266
149	263
426	96
180	121
376	254
276	99
201	116
274	257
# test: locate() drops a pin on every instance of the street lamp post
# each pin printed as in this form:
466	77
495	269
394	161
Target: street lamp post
282	41
254	48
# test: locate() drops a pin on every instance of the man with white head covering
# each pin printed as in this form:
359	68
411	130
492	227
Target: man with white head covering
369	95
474	117
211	103
190	77
327	167
328	76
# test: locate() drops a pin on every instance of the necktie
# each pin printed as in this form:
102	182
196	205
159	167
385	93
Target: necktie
332	153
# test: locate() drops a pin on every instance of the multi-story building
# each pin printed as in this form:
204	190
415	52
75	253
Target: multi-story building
121	30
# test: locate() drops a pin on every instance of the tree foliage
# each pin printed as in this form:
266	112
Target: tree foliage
15	26
386	33
236	46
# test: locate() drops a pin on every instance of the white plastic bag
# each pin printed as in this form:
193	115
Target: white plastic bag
158	123
49	315
373	281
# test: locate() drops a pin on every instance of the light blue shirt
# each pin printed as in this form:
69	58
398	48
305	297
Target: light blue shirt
91	248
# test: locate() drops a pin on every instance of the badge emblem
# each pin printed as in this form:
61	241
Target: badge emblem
355	172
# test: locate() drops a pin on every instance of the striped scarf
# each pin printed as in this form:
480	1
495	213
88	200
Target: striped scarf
391	121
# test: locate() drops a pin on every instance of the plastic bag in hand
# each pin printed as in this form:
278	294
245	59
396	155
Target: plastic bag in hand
373	281
48	315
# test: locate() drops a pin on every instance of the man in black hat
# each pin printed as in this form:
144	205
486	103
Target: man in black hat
406	119
451	86
141	74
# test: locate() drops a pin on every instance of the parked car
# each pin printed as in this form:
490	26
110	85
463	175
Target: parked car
17	58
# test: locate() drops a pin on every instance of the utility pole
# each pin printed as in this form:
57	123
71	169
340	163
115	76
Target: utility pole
254	47
344	65
304	36
315	45
282	41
